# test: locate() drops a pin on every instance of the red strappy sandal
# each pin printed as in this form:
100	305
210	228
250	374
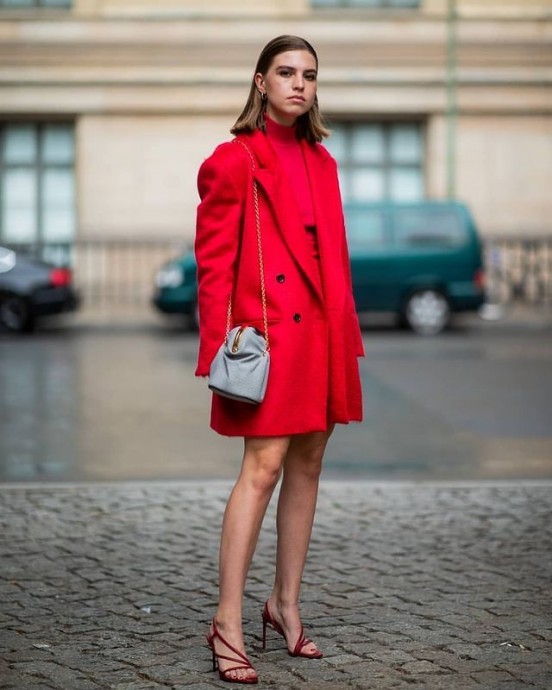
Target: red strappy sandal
241	659
301	643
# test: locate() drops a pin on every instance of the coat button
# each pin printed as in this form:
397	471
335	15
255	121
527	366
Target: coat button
297	318
281	278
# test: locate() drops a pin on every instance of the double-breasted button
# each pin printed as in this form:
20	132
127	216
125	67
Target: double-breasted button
281	278
297	318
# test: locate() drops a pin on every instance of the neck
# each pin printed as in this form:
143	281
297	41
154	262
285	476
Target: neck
289	121
280	133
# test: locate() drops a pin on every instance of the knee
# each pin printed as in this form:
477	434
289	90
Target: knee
308	464
262	467
265	476
305	459
311	465
305	456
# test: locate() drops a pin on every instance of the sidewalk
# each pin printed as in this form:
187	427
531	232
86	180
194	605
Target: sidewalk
407	585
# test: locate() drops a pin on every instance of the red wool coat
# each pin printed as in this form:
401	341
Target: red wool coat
313	327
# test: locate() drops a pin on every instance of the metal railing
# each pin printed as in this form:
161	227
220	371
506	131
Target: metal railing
111	272
120	272
518	270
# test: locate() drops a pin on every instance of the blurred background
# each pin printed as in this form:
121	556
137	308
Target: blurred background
107	109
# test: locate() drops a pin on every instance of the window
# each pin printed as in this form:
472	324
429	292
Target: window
366	3
379	161
365	227
429	228
37	183
18	4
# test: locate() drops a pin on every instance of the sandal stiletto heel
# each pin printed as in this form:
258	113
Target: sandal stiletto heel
245	663
301	643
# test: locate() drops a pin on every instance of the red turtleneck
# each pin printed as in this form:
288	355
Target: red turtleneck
287	147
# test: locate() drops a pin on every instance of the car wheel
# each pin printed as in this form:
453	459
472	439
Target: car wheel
15	314
427	312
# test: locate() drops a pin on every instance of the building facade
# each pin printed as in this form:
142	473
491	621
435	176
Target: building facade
107	108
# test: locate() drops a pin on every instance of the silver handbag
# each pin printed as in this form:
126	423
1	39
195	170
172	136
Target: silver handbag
240	368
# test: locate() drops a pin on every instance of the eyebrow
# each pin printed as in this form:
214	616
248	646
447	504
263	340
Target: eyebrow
310	69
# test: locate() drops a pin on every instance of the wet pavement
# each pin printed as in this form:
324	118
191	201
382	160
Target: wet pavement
106	398
408	585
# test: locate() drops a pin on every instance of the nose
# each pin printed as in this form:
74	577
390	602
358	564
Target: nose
299	82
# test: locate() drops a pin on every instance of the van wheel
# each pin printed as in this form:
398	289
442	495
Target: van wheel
427	312
15	314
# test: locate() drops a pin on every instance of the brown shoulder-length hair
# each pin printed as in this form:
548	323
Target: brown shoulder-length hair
310	125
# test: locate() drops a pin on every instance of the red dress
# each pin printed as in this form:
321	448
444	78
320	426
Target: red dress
313	328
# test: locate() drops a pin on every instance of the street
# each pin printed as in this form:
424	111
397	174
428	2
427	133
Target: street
430	561
112	401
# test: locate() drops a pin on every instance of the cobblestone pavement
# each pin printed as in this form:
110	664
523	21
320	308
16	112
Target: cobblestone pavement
407	585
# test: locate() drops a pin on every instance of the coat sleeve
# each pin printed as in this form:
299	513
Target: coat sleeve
218	227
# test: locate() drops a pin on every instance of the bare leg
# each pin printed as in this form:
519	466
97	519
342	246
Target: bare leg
296	508
245	510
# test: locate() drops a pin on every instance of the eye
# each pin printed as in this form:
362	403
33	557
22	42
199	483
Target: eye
310	77
285	73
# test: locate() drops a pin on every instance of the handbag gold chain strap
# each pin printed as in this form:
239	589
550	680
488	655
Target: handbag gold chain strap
261	262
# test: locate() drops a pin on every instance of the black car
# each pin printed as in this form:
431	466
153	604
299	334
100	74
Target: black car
30	288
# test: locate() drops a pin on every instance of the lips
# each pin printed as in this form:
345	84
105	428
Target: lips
298	99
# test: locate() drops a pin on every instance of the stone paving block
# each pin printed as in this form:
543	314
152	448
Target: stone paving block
455	681
55	674
121	677
477	636
543	633
359	685
24	655
195	684
534	673
459	665
492	678
30	686
502	685
274	675
320	672
177	672
414	667
388	639
142	685
341	660
370	669
406	586
391	656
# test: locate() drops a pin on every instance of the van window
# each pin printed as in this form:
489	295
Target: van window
429	227
365	227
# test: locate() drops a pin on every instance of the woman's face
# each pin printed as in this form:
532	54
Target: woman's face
290	86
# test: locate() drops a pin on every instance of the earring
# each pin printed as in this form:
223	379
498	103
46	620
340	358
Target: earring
263	95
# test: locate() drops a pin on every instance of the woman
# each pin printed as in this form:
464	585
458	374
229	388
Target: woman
313	331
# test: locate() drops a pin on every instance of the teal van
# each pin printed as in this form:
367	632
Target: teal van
421	261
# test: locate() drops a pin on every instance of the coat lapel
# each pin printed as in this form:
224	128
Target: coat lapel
325	197
328	213
281	201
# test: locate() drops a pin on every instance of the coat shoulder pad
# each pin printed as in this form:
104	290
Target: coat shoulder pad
230	158
324	154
